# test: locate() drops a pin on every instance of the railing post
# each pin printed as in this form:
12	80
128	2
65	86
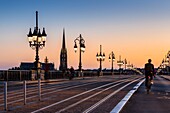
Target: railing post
39	88
25	91
7	75
20	75
5	96
4	75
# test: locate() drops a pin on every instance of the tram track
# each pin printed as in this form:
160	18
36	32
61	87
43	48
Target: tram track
33	89
45	90
53	106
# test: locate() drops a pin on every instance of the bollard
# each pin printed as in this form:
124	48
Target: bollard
25	92
39	89
5	96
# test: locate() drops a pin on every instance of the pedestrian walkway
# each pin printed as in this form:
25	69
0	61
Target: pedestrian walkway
157	101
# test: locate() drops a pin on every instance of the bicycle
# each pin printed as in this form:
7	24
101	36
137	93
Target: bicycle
149	83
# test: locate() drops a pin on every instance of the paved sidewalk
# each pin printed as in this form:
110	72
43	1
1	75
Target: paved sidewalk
157	101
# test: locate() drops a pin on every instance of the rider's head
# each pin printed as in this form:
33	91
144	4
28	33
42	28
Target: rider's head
149	60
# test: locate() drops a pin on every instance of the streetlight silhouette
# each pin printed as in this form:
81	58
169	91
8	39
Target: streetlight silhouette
100	57
36	42
125	63
168	60
82	49
119	63
112	59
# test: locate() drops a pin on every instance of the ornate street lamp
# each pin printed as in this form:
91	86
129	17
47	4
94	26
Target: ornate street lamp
120	63
100	57
37	41
112	59
168	62
129	66
82	49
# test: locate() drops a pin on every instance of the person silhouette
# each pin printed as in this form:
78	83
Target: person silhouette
149	73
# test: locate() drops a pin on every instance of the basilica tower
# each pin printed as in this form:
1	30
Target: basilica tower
63	55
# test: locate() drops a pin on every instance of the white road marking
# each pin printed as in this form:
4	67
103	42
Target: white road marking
122	103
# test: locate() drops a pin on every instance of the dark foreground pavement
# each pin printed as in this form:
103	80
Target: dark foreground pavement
157	101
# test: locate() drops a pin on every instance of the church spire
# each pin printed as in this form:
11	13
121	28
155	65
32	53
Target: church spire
63	54
64	45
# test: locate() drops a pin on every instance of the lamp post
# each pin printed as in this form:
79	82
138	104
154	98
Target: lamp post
112	59
100	57
125	63
163	63
82	49
119	63
37	41
168	60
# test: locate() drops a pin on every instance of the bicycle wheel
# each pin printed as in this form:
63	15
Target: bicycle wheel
148	86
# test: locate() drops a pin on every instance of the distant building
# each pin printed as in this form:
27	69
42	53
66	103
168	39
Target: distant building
29	66
63	55
26	66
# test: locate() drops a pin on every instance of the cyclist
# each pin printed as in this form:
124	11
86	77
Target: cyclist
72	72
149	73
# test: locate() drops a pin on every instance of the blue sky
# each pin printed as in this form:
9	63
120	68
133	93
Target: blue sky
116	24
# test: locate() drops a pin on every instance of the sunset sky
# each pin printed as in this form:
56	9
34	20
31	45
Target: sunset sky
135	29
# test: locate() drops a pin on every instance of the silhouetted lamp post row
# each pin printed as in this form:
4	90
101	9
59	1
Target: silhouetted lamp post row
168	58
112	59
37	41
100	57
81	49
165	64
168	62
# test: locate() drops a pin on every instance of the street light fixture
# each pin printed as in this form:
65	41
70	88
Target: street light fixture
168	62
120	63
125	63
82	49
37	41
100	57
112	59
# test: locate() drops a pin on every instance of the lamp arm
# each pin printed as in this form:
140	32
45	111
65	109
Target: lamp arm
82	40
77	39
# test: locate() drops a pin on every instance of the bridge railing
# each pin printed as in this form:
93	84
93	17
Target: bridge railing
20	75
14	75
